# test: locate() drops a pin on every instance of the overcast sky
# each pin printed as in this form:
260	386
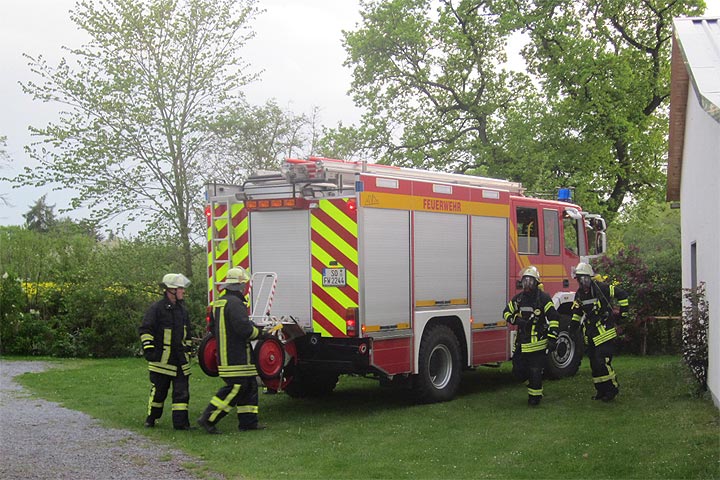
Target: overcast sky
297	44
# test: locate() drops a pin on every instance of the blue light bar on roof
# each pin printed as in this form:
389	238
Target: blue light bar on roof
564	195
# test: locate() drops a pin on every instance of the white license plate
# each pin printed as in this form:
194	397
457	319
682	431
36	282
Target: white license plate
333	277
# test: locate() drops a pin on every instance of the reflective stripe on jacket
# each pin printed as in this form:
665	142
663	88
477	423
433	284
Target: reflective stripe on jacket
234	332
540	320
166	331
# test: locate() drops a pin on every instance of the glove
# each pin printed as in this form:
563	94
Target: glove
262	334
149	353
552	344
188	348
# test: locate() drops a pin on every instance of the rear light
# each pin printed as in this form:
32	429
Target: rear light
208	211
208	316
351	315
352	204
276	203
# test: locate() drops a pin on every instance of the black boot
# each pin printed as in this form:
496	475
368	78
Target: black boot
204	421
149	422
181	420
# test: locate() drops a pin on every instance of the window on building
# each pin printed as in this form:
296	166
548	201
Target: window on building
527	231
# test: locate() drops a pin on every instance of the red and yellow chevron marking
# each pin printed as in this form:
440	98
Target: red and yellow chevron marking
228	240
333	236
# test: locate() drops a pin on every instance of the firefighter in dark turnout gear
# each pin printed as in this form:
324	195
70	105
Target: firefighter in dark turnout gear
593	307
533	312
166	335
234	331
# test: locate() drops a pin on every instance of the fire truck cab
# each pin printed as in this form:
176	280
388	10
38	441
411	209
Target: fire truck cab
396	273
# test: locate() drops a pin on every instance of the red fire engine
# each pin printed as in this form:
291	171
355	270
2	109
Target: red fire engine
391	272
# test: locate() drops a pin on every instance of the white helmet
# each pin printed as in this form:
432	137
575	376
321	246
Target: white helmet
531	271
236	277
584	269
175	280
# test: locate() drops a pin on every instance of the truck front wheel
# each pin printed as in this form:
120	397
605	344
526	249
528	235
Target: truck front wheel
438	376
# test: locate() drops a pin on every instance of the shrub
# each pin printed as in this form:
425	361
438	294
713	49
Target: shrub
696	319
654	292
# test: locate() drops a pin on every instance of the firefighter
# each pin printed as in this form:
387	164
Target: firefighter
533	312
593	307
234	331
166	336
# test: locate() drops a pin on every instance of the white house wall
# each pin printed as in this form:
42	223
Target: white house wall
700	204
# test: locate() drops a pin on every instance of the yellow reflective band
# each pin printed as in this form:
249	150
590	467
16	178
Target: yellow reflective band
247	409
535	391
179	406
146	337
554	323
156	405
167	339
150	400
548	306
534	346
377	328
604	378
624	302
163	368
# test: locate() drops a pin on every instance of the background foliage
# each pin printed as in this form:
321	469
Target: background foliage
71	295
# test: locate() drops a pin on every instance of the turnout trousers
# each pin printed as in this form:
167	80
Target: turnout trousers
603	374
528	367
239	393
180	397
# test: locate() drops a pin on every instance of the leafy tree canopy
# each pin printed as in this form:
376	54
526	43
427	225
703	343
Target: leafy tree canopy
590	112
139	99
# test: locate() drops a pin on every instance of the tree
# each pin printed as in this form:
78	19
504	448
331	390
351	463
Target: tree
429	73
431	86
41	216
250	138
140	97
4	158
605	71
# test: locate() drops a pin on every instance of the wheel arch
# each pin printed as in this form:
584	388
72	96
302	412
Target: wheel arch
457	320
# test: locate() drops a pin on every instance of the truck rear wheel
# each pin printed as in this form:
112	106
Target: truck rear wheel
565	360
438	375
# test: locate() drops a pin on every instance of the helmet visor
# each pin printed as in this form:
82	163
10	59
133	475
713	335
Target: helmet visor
584	281
528	283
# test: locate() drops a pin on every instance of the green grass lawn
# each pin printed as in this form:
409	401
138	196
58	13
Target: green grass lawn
655	429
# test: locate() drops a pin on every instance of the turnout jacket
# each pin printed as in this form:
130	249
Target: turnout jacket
596	306
537	320
166	337
234	331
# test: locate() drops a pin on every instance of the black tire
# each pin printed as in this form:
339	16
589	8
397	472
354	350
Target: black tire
565	360
439	366
311	383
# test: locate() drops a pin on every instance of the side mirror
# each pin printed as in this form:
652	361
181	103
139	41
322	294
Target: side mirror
600	242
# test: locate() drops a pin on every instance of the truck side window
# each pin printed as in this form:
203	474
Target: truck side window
571	236
527	231
551	224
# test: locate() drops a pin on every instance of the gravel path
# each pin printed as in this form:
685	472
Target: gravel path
43	440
